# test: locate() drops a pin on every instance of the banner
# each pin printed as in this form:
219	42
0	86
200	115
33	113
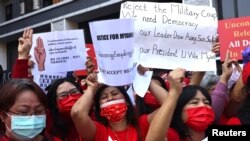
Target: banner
58	51
171	35
234	35
113	44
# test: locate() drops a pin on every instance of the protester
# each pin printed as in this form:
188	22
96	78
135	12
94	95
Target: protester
192	114
162	119
62	95
23	111
242	102
59	123
115	114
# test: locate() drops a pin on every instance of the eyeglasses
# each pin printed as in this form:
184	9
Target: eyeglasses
66	94
27	114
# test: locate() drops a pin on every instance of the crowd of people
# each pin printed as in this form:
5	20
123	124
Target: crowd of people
177	107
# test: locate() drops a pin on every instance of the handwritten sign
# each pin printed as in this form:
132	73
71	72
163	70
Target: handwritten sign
113	43
58	51
234	35
167	33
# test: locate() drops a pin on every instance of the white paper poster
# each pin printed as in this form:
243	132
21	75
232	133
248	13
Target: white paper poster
141	83
171	35
44	80
58	51
113	42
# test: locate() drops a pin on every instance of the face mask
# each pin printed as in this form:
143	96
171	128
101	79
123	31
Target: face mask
199	118
65	104
27	127
114	110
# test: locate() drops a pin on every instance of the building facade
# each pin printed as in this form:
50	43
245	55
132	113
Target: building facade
51	15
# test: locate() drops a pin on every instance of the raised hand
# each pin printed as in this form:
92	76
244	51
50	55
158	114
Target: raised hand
25	44
92	81
216	46
175	79
227	68
40	54
142	70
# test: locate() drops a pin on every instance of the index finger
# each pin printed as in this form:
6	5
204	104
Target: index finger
227	55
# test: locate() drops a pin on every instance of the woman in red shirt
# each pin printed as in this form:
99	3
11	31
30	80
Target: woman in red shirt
185	114
115	114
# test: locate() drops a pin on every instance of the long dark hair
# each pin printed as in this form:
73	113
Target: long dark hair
131	115
243	113
59	124
144	108
188	93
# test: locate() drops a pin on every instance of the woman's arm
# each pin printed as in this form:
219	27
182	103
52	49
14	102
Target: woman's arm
162	119
20	68
219	95
80	111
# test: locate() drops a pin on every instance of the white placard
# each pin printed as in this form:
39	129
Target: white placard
131	94
171	35
58	51
44	80
113	42
141	83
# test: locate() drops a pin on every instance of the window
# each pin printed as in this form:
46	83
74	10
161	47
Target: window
8	12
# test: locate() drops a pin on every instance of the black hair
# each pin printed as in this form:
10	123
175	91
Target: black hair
187	94
59	123
142	107
243	113
131	116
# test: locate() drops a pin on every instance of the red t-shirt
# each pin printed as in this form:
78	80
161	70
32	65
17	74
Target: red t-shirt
172	135
104	133
229	121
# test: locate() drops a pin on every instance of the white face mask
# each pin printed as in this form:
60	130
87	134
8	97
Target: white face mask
26	128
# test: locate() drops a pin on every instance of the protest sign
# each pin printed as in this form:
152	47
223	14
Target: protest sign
44	80
58	51
93	66
167	33
113	45
234	36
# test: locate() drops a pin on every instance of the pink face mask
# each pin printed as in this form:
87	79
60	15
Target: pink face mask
114	110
